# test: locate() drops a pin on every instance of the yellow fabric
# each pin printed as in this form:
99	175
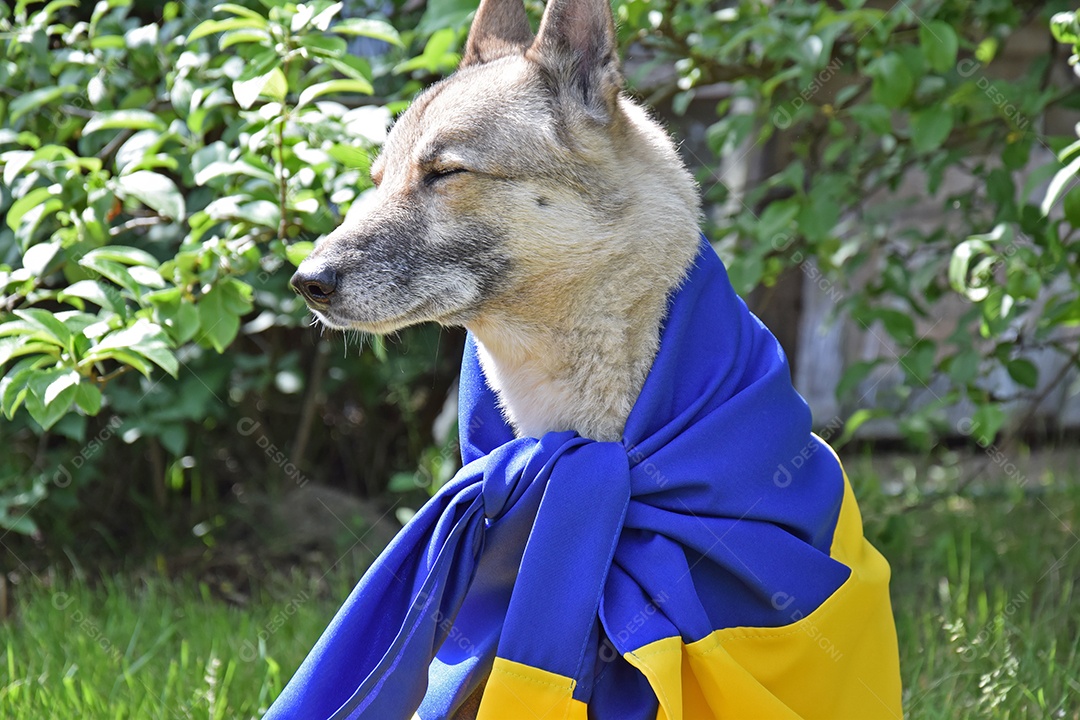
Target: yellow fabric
839	663
516	691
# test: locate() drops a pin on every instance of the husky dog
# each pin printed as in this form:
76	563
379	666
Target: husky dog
528	199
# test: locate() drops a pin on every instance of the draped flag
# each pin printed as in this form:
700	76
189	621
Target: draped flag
710	565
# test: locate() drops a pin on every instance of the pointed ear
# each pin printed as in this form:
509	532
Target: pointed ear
577	46
500	28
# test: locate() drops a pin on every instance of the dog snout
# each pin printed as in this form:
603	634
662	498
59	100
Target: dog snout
317	284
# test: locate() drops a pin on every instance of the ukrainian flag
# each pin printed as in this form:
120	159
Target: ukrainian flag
710	565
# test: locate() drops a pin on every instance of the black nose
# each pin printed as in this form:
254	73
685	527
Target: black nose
316	286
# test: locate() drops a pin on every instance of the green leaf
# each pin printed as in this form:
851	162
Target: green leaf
271	83
217	325
65	380
350	156
237	296
298	251
124	119
19	328
16	384
124	254
107	42
986	50
986	421
13	347
1065	313
1023	371
438	54
820	214
1061	178
16	160
240	10
1071	206
856	421
47	323
22	524
46	406
367	27
30	200
88	398
129	358
153	190
37	258
146	339
1065	27
931	127
173	437
1015	155
99	293
161	355
277	86
968	278
853	377
239	37
211	27
48	414
9	346
257	212
356	68
776	219
113	270
918	361
1068	151
325	46
873	117
964	366
36	98
898	324
892	80
50	8
223	168
333	86
140	333
263	61
180	318
939	45
448	14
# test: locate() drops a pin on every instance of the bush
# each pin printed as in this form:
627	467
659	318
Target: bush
161	176
853	100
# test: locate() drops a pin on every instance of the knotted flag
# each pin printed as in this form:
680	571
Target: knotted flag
712	564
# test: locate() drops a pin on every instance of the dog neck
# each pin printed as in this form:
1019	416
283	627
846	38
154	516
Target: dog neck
581	376
566	357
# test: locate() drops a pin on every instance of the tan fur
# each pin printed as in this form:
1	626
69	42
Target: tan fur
558	248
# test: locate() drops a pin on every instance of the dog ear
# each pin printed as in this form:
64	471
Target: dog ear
500	28
577	46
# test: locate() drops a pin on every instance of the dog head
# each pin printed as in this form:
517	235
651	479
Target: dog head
503	179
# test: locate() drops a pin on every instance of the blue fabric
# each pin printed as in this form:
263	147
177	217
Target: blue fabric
716	510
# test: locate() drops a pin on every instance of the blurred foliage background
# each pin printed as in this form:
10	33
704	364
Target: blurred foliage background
165	166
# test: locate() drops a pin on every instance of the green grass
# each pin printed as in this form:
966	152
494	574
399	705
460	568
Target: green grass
982	592
983	595
161	649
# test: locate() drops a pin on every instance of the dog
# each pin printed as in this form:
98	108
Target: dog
529	199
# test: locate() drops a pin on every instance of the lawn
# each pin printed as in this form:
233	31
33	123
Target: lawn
982	590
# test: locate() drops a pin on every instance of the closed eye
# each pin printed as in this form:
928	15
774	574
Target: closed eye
434	176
